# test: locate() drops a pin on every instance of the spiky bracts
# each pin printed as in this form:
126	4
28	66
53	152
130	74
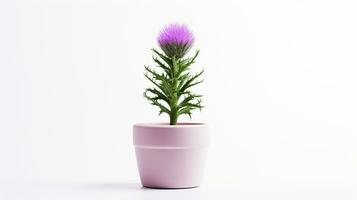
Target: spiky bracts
172	84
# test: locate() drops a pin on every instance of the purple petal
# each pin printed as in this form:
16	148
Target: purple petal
176	34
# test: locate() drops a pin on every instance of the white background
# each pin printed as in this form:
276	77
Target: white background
280	97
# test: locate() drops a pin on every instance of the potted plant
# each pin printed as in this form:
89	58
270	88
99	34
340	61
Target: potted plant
172	155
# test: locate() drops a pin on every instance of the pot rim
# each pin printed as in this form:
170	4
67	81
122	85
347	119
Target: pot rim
167	125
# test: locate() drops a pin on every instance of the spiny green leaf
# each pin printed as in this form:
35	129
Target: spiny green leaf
187	99
159	94
163	57
154	101
186	63
162	65
189	83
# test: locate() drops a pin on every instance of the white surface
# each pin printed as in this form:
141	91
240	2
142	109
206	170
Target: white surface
280	96
134	191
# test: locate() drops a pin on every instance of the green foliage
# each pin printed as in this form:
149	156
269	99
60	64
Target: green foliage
172	83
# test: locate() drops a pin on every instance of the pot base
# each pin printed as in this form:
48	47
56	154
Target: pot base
171	188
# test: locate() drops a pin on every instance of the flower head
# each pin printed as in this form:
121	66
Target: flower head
175	40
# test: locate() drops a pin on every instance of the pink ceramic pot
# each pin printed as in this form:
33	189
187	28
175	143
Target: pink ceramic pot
171	156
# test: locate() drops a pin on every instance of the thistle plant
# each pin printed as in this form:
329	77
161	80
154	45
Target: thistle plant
171	79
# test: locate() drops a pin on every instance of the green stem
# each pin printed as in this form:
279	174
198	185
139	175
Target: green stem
173	118
174	99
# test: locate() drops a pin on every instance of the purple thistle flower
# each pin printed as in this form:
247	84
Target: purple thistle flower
175	40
